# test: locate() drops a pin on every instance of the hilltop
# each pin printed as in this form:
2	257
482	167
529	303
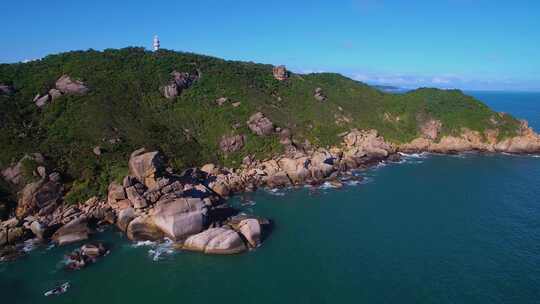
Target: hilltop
87	136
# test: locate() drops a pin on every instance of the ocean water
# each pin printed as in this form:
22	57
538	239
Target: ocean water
432	229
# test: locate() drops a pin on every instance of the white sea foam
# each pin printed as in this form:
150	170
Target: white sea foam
275	191
143	243
352	182
30	245
161	250
413	155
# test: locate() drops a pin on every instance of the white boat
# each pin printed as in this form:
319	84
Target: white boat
58	290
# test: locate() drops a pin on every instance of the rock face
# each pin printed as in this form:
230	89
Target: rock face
143	228
39	197
125	216
179	82
363	147
319	95
280	73
431	128
260	124
137	201
66	85
251	230
180	217
145	166
216	241
229	144
74	231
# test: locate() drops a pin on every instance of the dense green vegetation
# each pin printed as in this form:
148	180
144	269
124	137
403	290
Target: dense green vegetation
125	103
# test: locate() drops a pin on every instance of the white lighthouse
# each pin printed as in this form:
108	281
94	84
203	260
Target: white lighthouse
155	45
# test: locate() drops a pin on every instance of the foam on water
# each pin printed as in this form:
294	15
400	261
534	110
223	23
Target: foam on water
162	250
275	191
30	245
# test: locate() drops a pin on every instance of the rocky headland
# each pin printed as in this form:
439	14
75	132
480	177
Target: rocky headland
65	170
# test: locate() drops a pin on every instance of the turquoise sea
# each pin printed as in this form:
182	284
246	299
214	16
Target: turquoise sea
432	229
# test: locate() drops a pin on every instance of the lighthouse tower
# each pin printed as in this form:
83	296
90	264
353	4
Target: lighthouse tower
155	45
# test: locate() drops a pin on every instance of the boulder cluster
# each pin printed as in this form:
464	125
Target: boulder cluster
64	86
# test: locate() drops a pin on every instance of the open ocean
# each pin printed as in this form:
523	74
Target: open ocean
432	229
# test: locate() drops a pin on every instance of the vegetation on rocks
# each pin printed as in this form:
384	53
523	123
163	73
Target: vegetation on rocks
124	109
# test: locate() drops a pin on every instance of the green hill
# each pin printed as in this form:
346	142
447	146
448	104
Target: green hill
125	103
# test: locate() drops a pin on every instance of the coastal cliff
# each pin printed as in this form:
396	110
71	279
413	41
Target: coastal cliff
74	125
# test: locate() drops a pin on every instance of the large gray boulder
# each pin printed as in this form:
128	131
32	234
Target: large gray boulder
251	230
180	217
125	216
260	124
216	241
74	231
143	228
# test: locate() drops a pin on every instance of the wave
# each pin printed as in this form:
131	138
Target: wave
352	182
414	155
30	245
143	244
275	191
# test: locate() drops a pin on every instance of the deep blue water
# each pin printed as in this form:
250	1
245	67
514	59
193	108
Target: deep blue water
433	229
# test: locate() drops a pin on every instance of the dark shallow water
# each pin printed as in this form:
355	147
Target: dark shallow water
433	229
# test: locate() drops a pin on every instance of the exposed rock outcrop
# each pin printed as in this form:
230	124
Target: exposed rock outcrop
178	83
146	166
66	85
526	142
229	144
280	73
319	95
260	124
216	241
39	197
431	128
180	217
251	230
143	228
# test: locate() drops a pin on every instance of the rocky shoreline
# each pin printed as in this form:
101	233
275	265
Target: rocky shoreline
190	207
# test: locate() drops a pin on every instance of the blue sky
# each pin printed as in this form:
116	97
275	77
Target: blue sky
467	44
